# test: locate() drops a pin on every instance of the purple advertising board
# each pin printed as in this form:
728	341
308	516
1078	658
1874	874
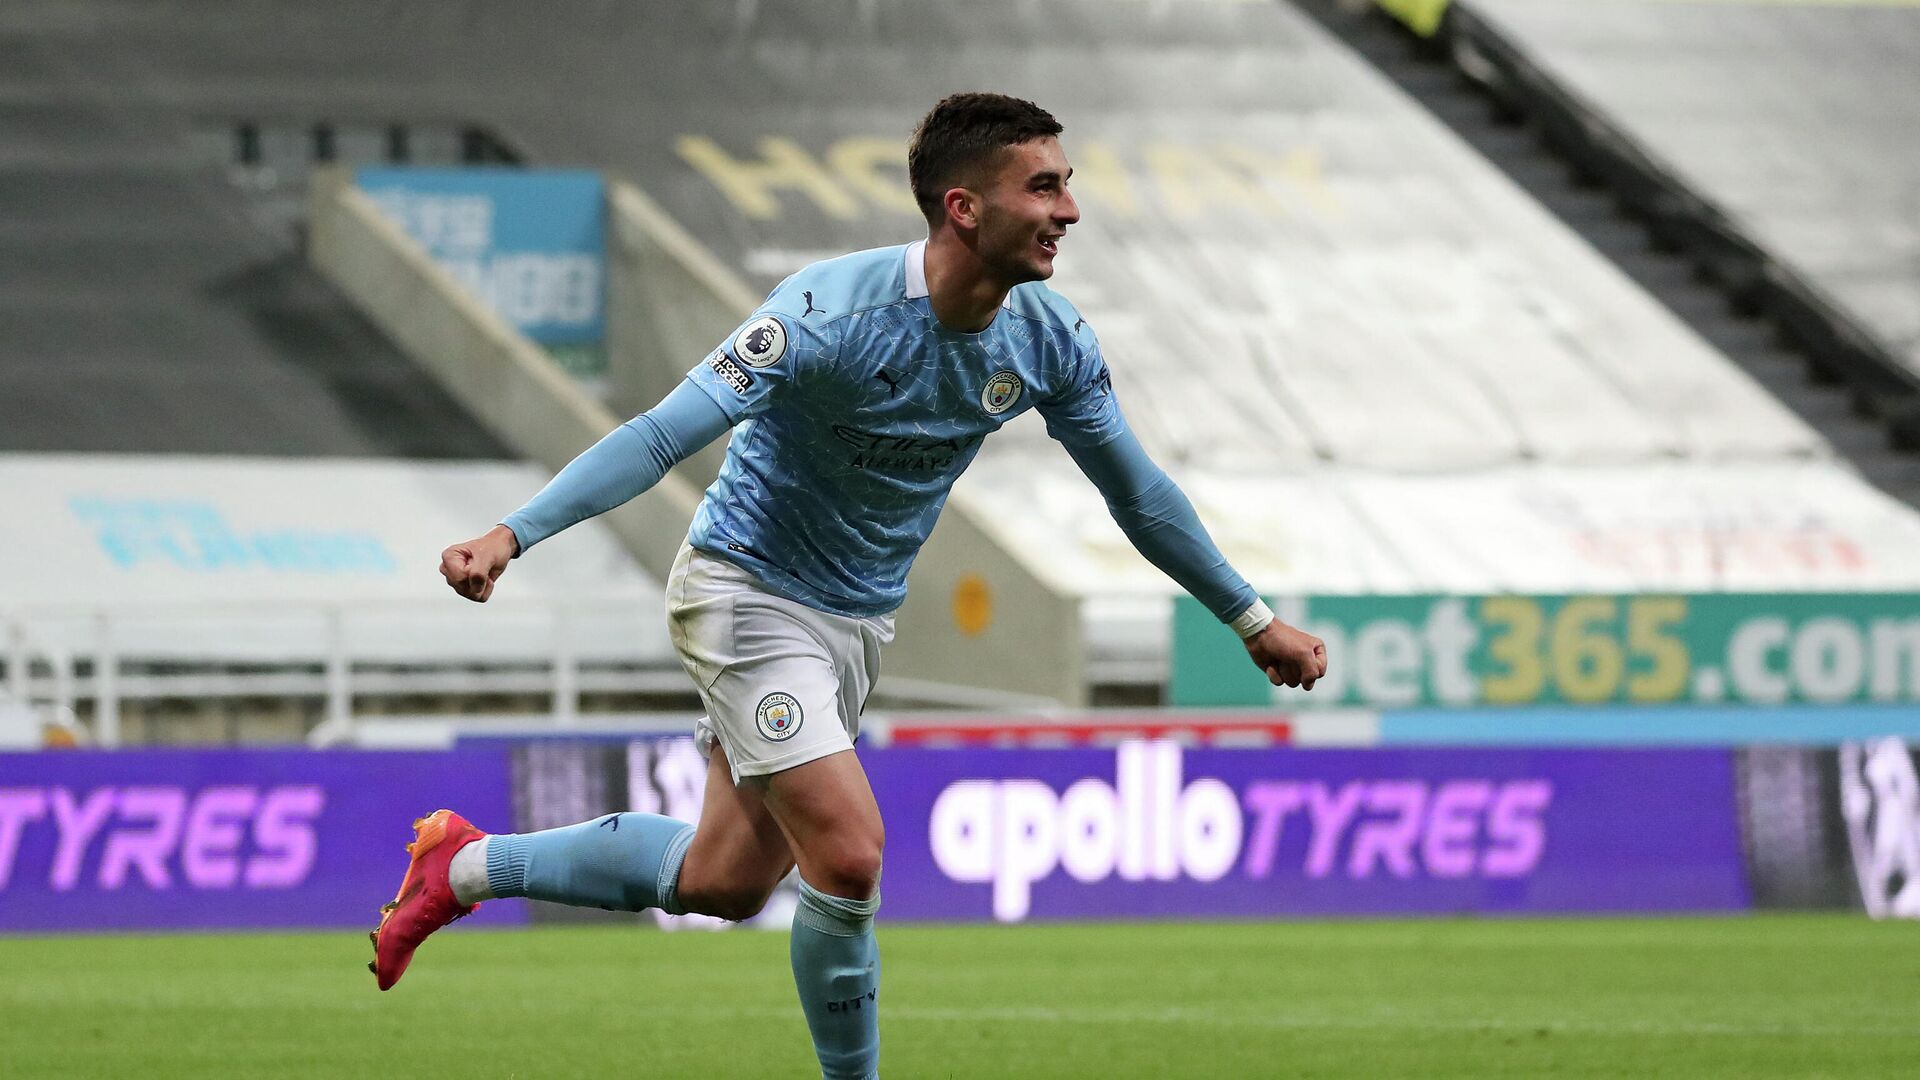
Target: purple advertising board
1154	829
266	838
225	838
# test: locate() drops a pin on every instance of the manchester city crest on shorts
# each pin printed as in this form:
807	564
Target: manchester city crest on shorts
761	342
1003	389
778	716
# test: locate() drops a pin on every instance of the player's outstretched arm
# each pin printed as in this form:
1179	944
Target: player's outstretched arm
629	460
1159	520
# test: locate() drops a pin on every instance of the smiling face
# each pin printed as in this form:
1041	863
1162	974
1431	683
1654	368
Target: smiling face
1024	210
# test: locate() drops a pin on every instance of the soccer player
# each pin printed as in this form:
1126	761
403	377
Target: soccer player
856	394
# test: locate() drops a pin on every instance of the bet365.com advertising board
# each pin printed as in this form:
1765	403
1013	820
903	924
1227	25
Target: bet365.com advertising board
1466	651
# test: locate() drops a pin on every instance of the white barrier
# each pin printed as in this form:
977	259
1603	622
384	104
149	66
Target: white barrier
59	659
183	576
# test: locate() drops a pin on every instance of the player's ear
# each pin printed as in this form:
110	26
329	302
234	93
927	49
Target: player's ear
963	208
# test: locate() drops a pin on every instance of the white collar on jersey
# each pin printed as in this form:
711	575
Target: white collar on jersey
917	274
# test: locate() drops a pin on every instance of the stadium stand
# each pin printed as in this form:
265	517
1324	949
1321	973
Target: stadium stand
1603	187
1375	363
1771	142
144	311
176	384
1276	265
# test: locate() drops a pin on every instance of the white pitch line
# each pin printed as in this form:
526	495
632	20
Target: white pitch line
1042	1014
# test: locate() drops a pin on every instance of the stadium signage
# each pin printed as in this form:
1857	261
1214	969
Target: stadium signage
1145	826
152	839
859	176
1454	651
1149	825
1148	829
169	836
531	243
196	535
1154	828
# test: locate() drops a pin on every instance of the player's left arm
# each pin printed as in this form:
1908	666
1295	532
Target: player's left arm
1160	521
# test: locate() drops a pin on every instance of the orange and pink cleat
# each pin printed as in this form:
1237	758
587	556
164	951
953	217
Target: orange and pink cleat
425	902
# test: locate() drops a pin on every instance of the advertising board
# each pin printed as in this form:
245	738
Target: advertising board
1466	651
531	243
1153	828
1147	829
224	838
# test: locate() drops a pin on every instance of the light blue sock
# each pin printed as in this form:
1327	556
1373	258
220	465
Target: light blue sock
836	966
621	862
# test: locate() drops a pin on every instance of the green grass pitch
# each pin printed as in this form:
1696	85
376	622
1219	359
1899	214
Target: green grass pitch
1773	996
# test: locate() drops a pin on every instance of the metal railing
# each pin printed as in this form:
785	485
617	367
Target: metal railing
56	659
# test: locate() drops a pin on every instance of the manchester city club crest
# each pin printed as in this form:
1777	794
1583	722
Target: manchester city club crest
779	716
1003	389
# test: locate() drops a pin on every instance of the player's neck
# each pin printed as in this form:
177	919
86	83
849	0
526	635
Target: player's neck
964	295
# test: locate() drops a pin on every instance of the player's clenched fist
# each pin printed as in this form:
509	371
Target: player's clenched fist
1289	657
472	568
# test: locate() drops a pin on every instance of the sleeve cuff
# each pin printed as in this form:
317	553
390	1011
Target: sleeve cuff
1253	620
517	526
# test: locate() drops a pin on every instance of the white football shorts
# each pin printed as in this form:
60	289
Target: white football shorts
783	683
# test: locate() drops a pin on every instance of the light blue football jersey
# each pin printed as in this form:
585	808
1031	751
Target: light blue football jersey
855	411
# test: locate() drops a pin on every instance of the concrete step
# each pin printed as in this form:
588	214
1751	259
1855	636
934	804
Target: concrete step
1546	177
1505	139
1894	473
1746	337
1772	359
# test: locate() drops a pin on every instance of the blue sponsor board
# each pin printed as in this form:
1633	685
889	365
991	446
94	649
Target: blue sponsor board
531	243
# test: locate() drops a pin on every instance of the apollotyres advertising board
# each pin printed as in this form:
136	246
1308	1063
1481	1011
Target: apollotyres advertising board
1464	651
531	243
1148	829
1153	828
224	838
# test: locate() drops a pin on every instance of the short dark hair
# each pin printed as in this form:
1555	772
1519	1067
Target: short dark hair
963	133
